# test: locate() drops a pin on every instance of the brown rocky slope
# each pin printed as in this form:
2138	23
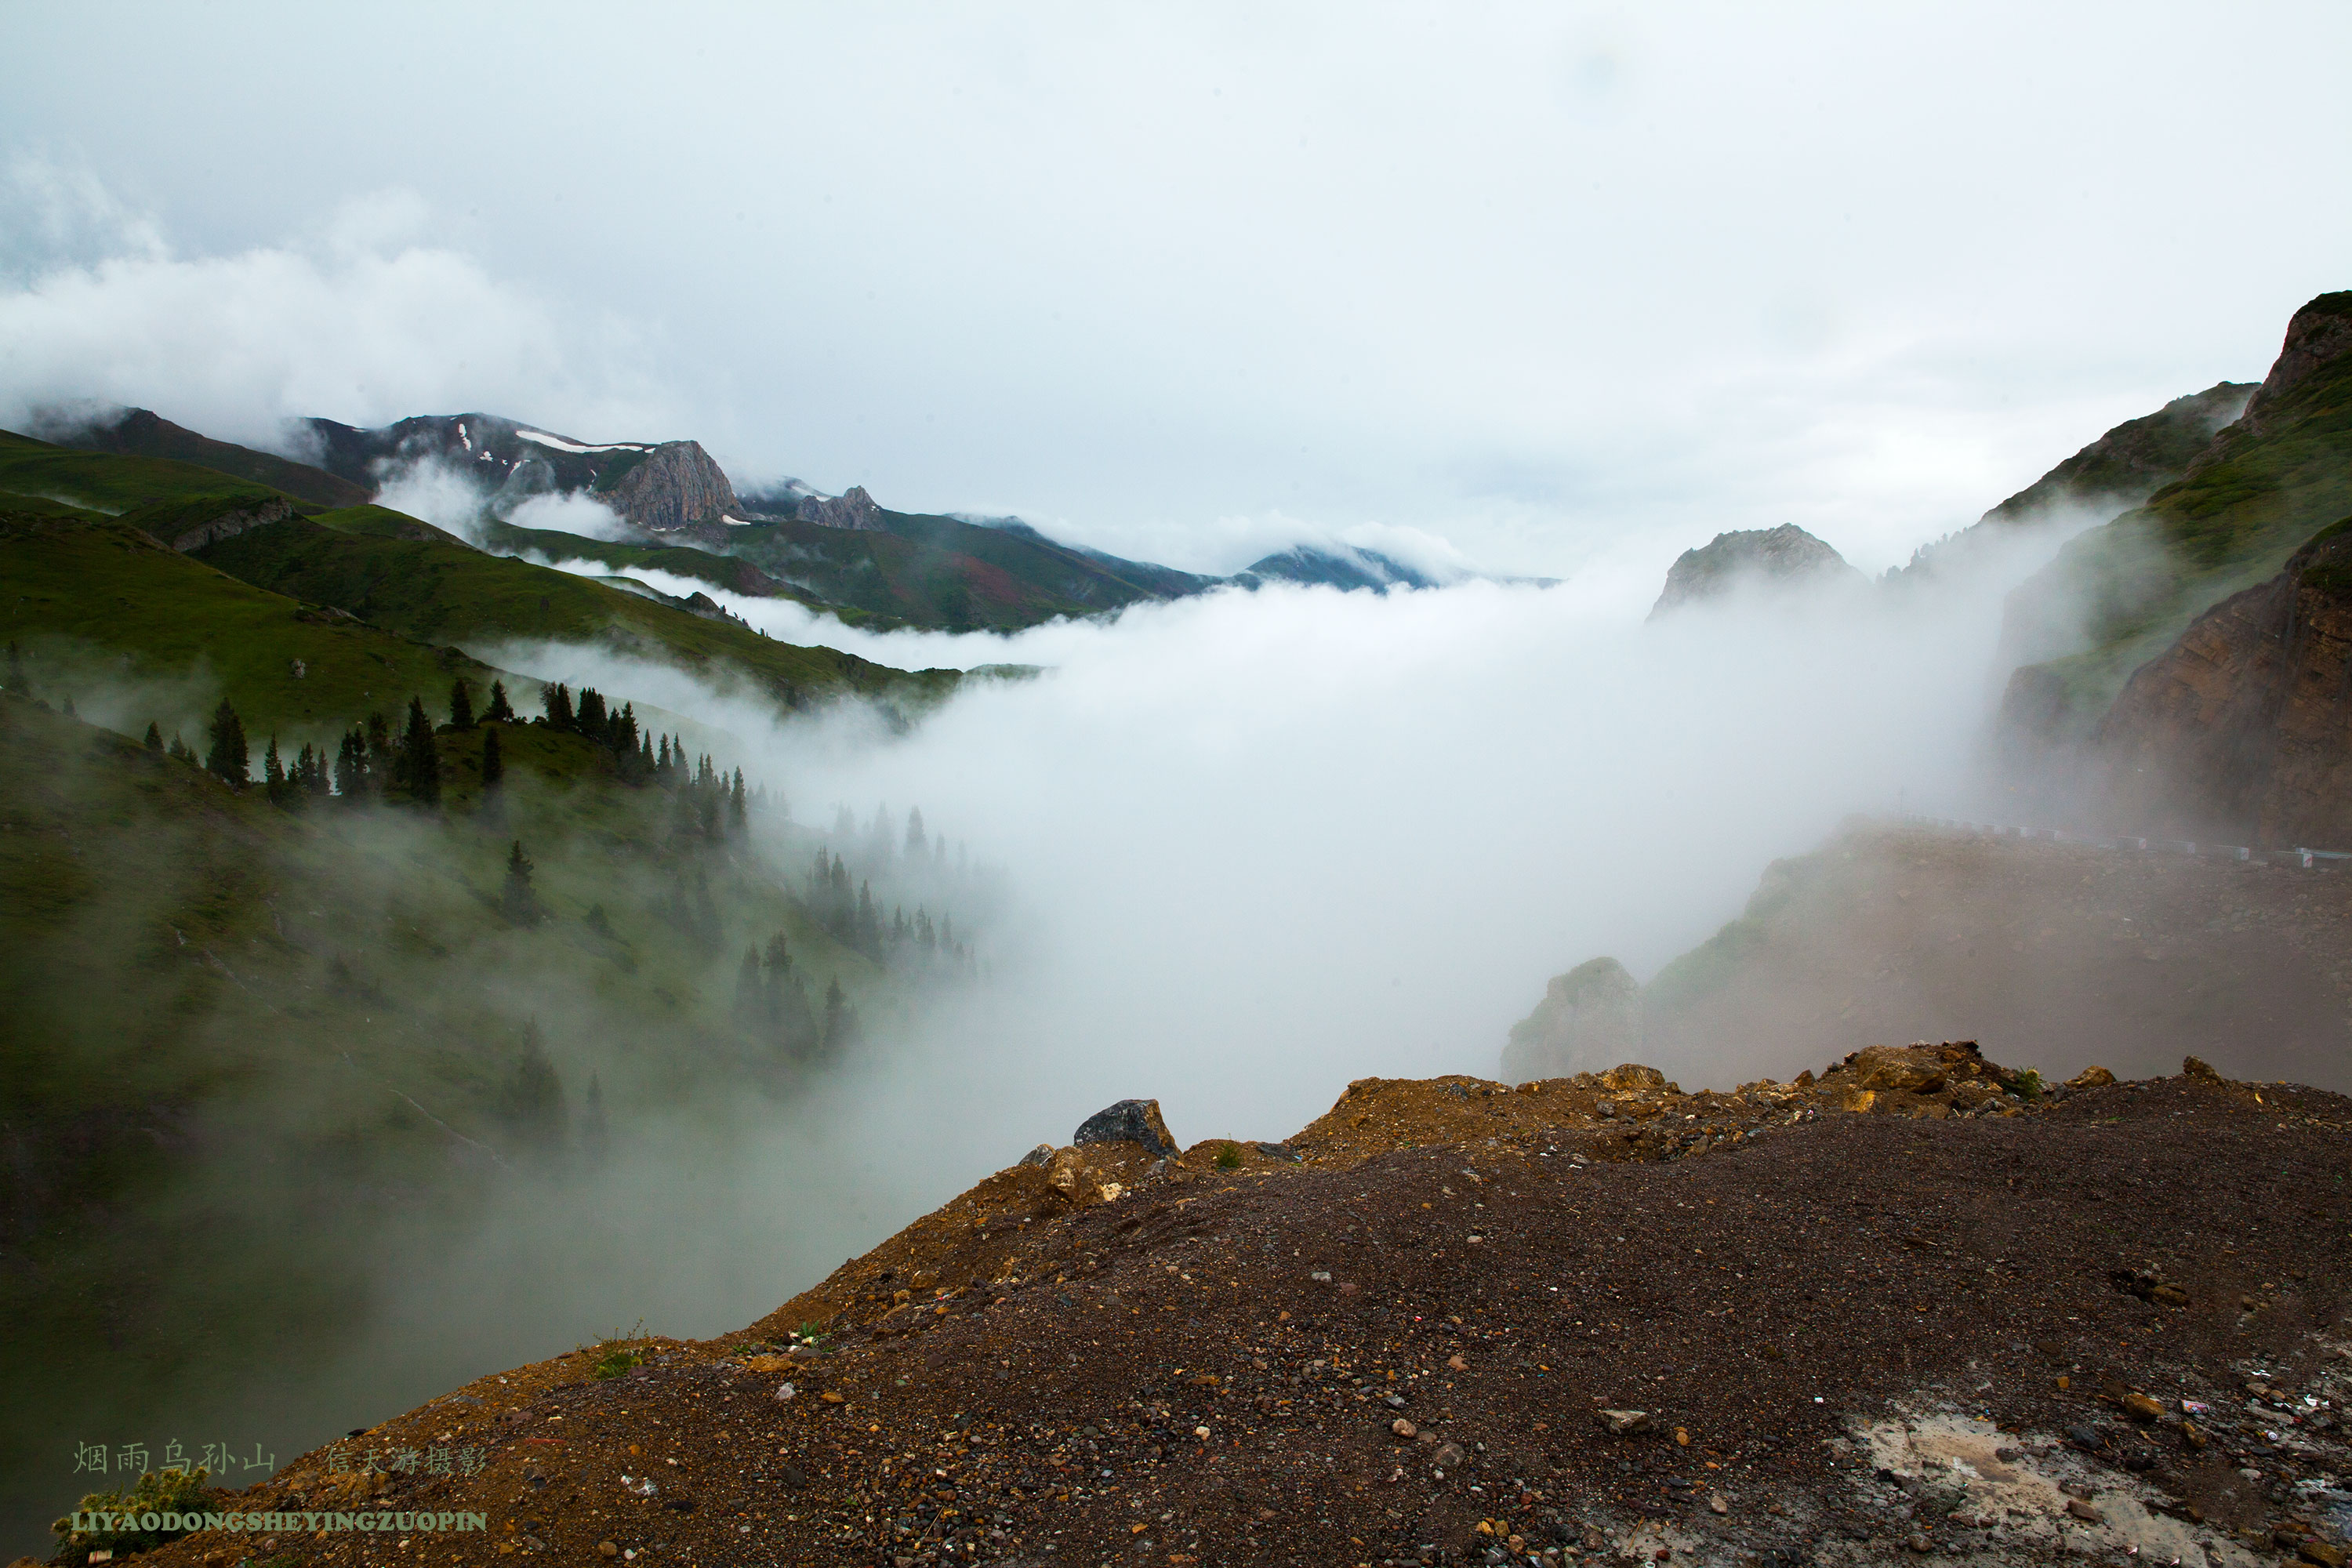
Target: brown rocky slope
2243	727
1905	1308
2058	953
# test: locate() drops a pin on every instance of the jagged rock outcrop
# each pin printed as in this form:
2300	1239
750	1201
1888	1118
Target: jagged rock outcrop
853	509
2316	336
2242	729
1589	1015
1784	557
673	486
190	534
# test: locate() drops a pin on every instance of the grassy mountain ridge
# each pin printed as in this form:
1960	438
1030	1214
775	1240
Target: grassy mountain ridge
123	610
438	589
933	570
83	528
2120	593
109	482
142	433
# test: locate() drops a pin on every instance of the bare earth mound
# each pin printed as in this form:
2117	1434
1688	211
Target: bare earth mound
1907	1310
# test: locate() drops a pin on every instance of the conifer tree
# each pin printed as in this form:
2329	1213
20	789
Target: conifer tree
595	1135
226	759
179	750
67	707
590	719
310	767
916	847
494	763
352	766
751	992
532	1100
500	711
380	753
841	1029
461	705
273	774
557	701
737	815
420	759
518	900
154	741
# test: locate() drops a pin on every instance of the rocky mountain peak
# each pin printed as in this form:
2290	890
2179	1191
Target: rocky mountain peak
1782	556
2318	333
674	485
853	509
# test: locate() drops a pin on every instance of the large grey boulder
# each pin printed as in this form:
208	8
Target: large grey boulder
1128	1122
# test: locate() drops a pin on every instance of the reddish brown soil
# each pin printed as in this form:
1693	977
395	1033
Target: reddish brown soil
1169	1376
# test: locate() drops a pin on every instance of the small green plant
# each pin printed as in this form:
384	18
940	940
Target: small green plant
173	1491
612	1362
1229	1158
2029	1084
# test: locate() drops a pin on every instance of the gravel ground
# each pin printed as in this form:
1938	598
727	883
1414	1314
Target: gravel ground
1901	1311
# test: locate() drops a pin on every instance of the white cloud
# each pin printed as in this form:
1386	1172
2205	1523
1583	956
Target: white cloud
362	324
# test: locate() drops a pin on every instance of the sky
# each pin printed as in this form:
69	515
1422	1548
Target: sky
1538	288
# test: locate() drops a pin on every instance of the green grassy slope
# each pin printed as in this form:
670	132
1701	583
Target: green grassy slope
400	573
2138	582
443	592
108	483
939	572
732	574
107	600
140	433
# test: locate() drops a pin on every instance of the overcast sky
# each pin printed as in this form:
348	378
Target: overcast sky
1558	285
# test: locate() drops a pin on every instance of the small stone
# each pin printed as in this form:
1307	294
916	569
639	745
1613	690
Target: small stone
2322	1553
2084	1512
1718	1503
1622	1422
2091	1078
1042	1154
1202	1433
2191	1436
1404	1428
1457	1364
2140	1407
1449	1456
1921	1545
607	1549
830	1398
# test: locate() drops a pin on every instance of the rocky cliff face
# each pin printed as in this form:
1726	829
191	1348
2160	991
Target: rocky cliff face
2242	729
855	509
1783	557
1589	1017
674	485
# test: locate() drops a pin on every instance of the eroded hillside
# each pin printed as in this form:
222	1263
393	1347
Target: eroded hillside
1901	1313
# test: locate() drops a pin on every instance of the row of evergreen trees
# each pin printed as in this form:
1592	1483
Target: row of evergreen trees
372	764
771	1008
855	922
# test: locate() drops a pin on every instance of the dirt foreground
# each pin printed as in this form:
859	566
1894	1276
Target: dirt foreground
1906	1310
